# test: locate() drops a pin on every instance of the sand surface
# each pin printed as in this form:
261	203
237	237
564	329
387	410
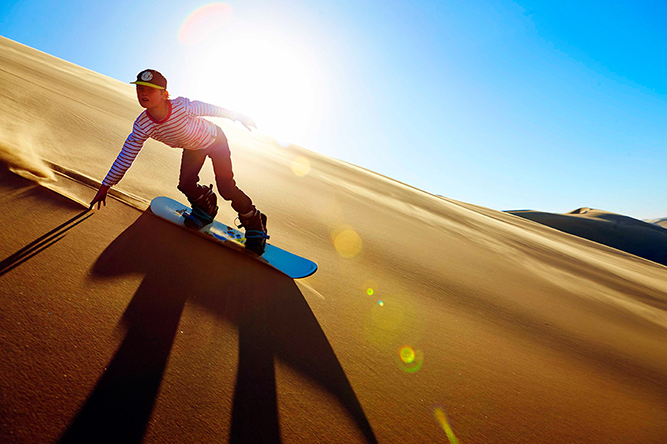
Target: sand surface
429	320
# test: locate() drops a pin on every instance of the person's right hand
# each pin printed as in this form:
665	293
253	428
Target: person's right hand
100	198
248	122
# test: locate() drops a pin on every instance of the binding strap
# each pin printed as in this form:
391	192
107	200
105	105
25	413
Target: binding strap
256	234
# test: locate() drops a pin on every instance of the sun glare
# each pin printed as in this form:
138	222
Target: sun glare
203	22
247	69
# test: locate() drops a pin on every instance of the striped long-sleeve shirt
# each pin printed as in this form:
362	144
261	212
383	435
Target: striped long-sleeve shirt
182	128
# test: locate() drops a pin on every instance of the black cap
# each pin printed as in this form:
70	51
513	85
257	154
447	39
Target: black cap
152	78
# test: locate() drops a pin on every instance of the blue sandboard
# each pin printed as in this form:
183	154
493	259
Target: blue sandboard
288	263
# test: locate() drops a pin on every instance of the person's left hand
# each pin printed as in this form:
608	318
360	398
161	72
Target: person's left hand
248	122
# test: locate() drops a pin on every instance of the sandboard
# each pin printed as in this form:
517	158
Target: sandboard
294	266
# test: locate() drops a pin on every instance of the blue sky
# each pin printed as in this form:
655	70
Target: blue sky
506	104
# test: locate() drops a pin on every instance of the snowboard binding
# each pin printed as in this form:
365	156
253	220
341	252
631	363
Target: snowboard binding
255	232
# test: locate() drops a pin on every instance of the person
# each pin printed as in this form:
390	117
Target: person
179	123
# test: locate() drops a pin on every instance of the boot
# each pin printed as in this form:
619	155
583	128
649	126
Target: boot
256	235
204	209
207	201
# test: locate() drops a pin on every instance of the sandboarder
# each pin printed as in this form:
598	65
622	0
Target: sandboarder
178	123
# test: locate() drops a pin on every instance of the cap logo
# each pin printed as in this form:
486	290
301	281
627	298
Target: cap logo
147	76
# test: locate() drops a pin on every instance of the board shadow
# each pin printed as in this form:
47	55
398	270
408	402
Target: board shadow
273	319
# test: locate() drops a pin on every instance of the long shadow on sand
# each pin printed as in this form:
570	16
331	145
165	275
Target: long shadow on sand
41	243
273	319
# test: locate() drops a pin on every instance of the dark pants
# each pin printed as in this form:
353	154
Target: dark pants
192	163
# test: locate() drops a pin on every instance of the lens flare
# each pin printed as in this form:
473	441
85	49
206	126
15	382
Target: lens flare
381	304
204	22
371	286
441	417
347	242
407	355
300	166
409	359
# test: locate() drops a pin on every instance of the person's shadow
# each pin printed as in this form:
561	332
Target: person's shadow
272	316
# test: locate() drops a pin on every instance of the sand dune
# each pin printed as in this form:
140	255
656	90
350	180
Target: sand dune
662	221
428	318
634	236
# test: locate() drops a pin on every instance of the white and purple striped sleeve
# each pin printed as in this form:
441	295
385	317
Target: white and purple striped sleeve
206	109
133	144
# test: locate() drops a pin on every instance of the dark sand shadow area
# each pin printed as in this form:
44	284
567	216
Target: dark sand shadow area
273	318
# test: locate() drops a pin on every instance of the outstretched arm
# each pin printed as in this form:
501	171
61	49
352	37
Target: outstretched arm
206	109
133	144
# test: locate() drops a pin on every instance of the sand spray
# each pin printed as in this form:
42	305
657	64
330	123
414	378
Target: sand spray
19	153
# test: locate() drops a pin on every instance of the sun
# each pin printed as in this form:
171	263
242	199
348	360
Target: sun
254	72
267	80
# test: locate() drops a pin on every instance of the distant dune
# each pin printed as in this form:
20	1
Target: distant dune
662	221
643	239
428	321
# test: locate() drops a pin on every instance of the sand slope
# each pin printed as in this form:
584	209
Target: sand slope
119	327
